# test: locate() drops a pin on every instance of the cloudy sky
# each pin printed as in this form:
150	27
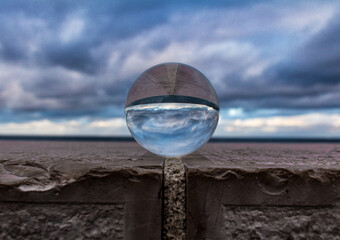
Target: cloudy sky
66	66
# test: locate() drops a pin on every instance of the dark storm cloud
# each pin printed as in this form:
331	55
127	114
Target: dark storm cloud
318	61
308	78
60	97
75	58
106	22
38	25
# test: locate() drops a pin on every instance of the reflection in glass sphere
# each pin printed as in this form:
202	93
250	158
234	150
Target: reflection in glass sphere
172	109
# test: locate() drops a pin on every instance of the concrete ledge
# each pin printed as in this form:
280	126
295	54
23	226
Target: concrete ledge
97	190
85	182
240	181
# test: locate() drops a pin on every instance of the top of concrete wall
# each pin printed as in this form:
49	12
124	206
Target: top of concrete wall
287	155
41	166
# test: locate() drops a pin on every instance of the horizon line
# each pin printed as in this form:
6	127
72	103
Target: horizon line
131	139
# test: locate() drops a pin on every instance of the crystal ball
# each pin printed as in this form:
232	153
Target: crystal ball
172	109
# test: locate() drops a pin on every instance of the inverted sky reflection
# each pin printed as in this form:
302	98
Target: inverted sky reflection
171	129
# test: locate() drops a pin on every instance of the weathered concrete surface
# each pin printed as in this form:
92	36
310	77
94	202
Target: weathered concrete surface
174	200
265	176
62	221
97	174
84	190
280	223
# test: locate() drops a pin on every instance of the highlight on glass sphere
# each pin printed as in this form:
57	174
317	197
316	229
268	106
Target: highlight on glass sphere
172	109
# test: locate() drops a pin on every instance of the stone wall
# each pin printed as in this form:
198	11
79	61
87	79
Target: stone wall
69	190
97	190
264	191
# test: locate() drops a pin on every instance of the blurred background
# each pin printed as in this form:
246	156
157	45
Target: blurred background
66	66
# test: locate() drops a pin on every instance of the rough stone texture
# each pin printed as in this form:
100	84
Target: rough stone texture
41	166
261	175
73	190
174	199
60	221
254	155
280	223
85	173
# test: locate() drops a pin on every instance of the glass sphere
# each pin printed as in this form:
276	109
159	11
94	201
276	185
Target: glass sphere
172	109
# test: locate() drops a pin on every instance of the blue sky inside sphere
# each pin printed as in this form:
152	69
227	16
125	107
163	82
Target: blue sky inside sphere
66	66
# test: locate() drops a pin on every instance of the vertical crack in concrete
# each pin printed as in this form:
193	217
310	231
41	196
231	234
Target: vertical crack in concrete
172	72
174	199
